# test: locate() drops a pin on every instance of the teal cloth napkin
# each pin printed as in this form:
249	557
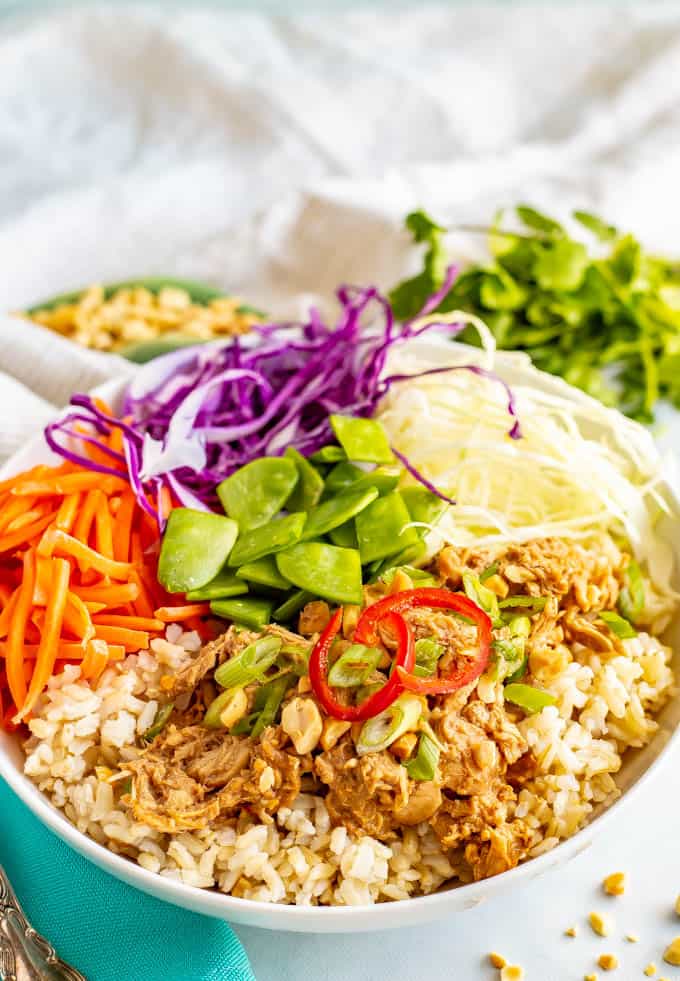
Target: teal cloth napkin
106	929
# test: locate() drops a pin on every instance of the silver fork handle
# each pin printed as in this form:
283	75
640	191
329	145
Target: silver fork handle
24	954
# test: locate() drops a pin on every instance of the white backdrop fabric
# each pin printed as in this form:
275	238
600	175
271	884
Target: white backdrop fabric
276	156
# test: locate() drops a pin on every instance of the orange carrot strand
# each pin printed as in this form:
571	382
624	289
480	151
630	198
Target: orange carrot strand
14	661
175	614
66	515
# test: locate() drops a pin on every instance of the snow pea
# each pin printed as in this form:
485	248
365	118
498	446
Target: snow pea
223	585
196	545
292	605
325	570
328	454
336	511
344	535
258	542
264	573
381	528
408	555
309	487
385	479
257	492
340	477
251	611
422	504
363	440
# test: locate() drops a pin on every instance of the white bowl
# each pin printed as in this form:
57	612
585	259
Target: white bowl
636	774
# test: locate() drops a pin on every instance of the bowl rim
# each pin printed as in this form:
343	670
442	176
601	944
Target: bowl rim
290	917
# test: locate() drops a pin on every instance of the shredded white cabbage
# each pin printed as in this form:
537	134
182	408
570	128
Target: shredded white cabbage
579	469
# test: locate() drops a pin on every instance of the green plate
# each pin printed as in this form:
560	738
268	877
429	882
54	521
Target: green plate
145	351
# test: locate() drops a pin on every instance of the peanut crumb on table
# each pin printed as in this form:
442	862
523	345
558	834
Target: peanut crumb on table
677	905
571	931
608	962
590	977
512	972
601	924
671	954
650	970
497	960
615	884
632	938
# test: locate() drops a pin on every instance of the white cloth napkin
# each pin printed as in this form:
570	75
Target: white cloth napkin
39	373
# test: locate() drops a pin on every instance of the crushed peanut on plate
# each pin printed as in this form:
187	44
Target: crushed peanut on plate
608	962
497	960
615	884
135	314
601	924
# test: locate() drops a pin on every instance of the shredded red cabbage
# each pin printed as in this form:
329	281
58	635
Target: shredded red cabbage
196	415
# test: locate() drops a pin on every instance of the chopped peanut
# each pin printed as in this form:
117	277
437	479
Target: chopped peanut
304	684
497	960
615	884
671	954
267	779
497	585
404	746
571	931
650	970
632	938
332	730
677	906
608	962
400	582
601	924
301	720
512	972
235	709
590	977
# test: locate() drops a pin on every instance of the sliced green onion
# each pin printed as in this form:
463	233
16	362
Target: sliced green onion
482	596
212	718
510	652
535	603
159	722
424	765
632	596
273	694
381	731
428	652
245	725
528	698
354	666
622	628
250	665
490	571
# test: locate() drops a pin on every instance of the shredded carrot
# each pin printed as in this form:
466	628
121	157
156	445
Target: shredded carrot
24	535
34	474
27	518
123	526
71	483
132	640
135	623
110	596
13	508
66	515
14	661
175	614
93	608
49	641
43	576
8	612
83	523
95	660
69	650
143	604
5	593
77	618
103	529
63	544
